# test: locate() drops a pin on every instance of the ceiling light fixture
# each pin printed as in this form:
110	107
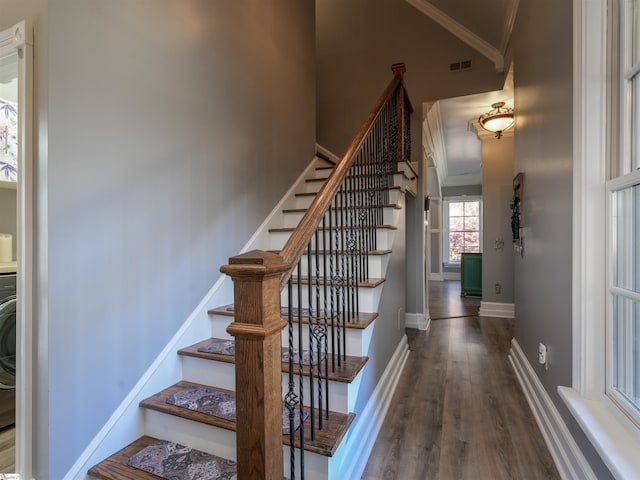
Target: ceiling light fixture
497	120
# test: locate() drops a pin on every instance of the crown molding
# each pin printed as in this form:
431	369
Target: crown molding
508	26
434	138
463	33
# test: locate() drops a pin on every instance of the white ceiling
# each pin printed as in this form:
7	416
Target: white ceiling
486	26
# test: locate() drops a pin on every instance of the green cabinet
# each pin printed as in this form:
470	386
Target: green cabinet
471	275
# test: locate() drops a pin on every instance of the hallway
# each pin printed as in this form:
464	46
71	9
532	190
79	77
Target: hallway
458	411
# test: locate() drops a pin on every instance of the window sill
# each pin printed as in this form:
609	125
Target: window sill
617	442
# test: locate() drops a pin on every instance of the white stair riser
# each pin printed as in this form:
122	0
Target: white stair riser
221	442
384	239
292	219
208	372
368	298
222	375
355	340
355	337
377	265
305	201
210	439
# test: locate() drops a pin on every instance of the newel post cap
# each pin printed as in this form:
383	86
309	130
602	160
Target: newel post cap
255	263
398	68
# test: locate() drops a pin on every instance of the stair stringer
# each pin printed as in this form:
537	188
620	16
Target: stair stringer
127	422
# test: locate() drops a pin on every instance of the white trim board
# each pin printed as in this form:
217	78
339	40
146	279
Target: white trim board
420	321
612	438
496	309
351	458
334	158
566	454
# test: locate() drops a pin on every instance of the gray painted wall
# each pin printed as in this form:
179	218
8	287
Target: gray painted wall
497	180
357	42
458	191
543	151
173	128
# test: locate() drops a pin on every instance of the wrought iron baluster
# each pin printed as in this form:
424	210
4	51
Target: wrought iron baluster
291	400
315	325
301	373
310	313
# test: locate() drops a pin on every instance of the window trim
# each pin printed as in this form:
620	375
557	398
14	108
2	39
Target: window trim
613	435
445	224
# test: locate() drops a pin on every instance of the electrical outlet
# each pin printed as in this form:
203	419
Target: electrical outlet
498	287
542	355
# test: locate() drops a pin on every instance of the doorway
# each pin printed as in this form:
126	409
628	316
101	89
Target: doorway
16	247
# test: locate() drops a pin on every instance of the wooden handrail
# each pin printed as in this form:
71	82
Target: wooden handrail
300	238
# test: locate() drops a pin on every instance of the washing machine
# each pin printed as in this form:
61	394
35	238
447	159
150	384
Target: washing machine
7	348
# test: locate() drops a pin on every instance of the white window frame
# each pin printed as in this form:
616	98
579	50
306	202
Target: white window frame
614	436
445	224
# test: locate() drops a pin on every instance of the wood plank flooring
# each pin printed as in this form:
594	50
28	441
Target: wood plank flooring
7	450
458	411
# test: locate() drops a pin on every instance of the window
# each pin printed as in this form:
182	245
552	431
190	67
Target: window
623	220
598	121
463	228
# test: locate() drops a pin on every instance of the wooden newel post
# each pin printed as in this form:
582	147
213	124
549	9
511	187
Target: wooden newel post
256	328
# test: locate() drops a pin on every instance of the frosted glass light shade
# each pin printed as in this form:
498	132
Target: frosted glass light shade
499	119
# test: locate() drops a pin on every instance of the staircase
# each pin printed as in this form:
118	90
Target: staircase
191	425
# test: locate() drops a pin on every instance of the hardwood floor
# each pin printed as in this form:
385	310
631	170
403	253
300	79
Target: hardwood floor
458	411
7	450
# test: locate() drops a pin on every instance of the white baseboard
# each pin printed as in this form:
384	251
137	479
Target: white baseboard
436	277
495	309
451	275
568	458
417	320
351	458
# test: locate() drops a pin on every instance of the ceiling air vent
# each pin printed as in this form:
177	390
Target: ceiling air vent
458	66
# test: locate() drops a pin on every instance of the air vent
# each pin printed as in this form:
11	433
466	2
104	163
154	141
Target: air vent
458	66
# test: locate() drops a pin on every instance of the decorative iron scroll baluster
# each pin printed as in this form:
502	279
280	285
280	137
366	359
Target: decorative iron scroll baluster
291	400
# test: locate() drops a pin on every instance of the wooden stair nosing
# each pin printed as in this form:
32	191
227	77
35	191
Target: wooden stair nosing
115	466
324	179
330	167
360	322
390	187
395	206
375	253
368	283
357	227
326	442
345	373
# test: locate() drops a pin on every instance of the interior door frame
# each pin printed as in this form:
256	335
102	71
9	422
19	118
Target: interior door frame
19	39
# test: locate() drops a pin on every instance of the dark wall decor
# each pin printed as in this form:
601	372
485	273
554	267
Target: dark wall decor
517	222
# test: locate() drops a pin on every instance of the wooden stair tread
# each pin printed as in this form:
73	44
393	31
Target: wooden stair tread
395	206
324	179
361	321
390	187
344	373
115	467
367	283
370	252
325	443
356	227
